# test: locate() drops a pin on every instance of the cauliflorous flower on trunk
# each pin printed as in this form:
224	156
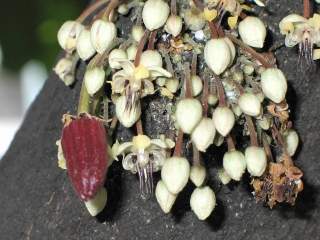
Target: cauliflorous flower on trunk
143	156
135	82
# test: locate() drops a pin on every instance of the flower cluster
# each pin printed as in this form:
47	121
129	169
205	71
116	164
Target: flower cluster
221	85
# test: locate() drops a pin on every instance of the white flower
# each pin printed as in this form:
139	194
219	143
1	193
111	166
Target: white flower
203	135
94	79
103	34
98	203
256	160
175	174
252	31
287	24
68	34
85	48
127	115
173	25
292	141
165	198
250	104
234	164
224	120
114	57
188	114
198	175
155	14
144	156
202	202
274	84
217	55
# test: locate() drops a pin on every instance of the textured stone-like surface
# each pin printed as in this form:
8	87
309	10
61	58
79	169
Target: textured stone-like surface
38	202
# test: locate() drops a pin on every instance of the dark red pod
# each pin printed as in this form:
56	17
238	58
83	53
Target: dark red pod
84	144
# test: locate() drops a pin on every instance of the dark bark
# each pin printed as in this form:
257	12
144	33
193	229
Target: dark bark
38	202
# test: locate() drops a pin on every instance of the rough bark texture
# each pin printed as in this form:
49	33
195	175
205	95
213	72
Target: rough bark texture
38	202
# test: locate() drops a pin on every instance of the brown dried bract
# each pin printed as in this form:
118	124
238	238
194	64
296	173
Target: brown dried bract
280	111
280	184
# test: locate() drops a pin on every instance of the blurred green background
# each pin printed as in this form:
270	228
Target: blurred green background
28	29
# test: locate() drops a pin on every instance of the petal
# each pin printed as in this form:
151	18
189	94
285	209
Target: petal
148	88
127	66
159	72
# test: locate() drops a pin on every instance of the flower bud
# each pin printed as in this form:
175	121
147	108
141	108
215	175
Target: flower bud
85	48
64	70
151	58
98	203
250	104
234	164
223	119
137	32
94	79
172	84
248	69
202	202
252	31
165	198
114	57
256	160
232	49
291	139
194	19
223	176
188	114
173	25
155	14
161	81
175	174
217	55
103	34
198	175
123	9
197	85
125	116
212	99
68	34
132	52
274	84
203	135
236	110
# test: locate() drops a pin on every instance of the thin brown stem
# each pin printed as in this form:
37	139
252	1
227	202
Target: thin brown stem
280	141
230	142
267	148
213	30
220	31
142	43
194	64
179	142
195	156
221	93
306	9
205	95
112	5
152	39
199	4
252	131
251	51
90	10
139	127
174	7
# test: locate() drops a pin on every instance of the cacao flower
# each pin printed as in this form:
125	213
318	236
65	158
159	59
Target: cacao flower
84	144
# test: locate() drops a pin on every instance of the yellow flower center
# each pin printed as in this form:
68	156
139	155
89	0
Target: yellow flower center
141	142
210	15
141	72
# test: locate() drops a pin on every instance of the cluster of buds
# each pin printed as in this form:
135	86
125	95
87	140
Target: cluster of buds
221	87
